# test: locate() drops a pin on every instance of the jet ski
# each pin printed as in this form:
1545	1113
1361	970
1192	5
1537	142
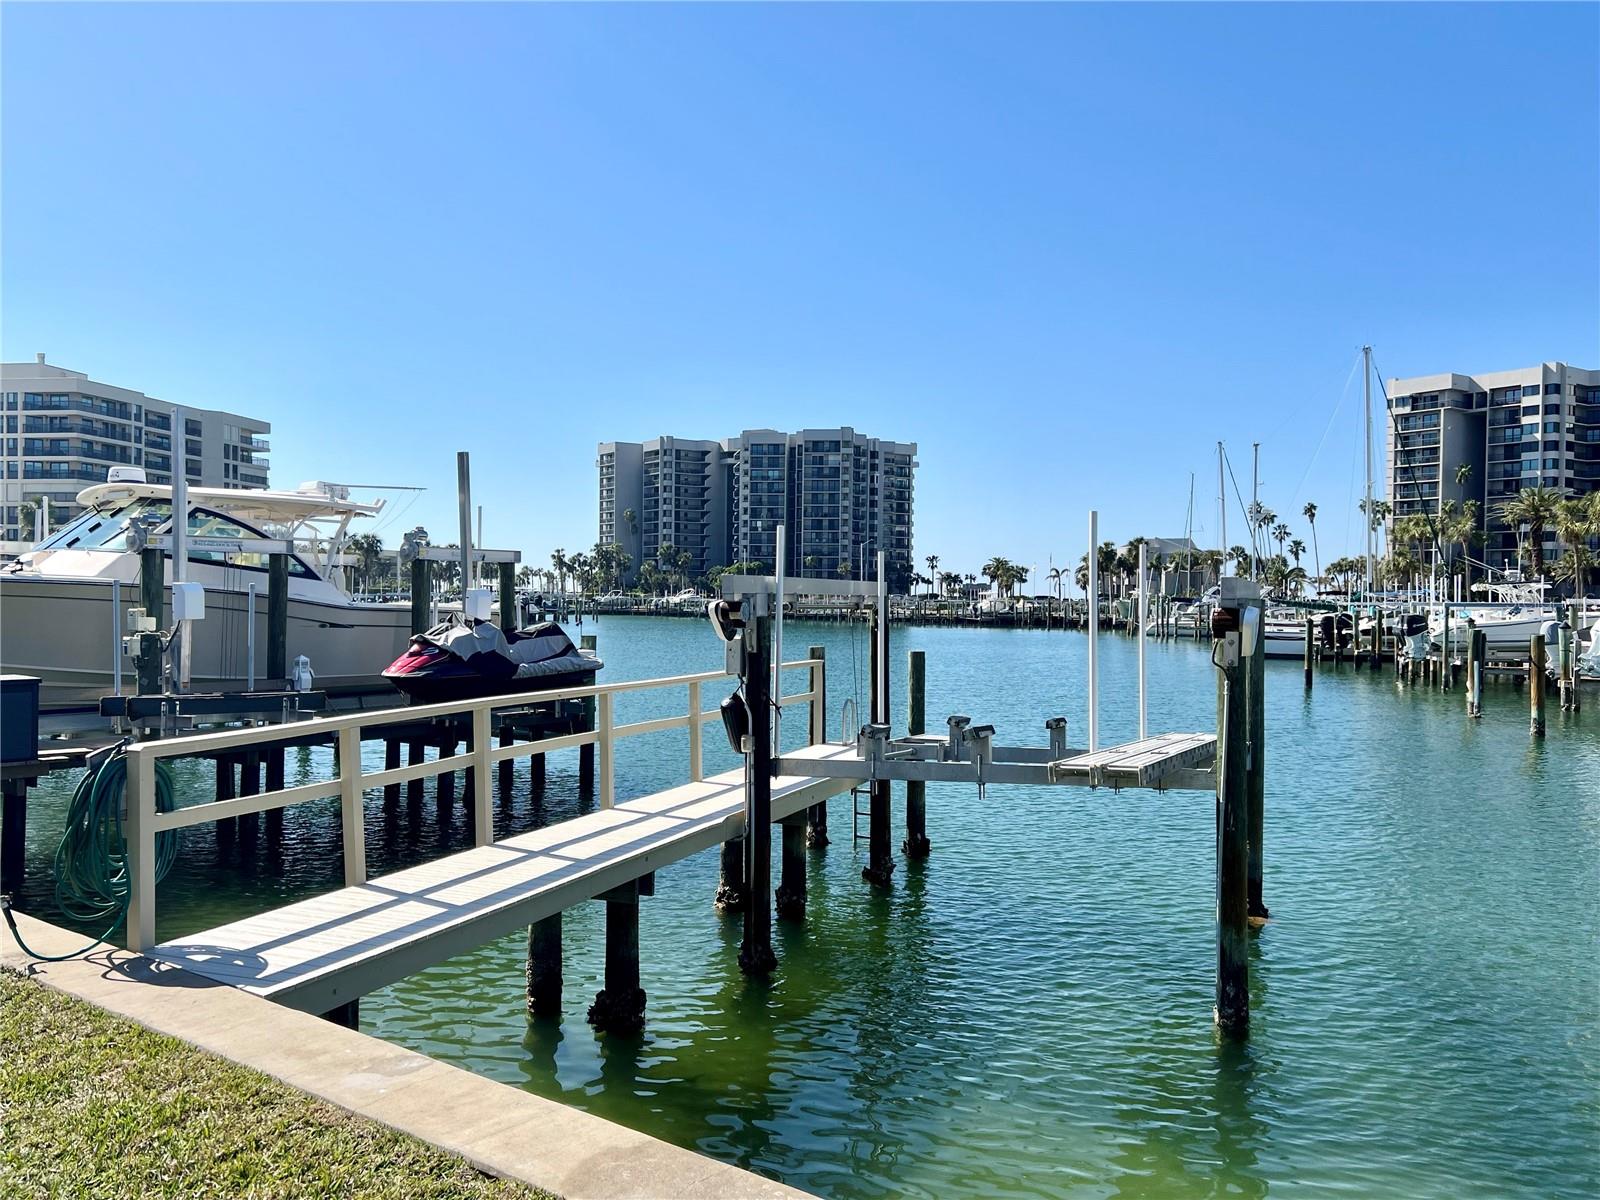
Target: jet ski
463	658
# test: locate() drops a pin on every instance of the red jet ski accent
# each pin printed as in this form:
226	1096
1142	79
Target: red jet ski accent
464	659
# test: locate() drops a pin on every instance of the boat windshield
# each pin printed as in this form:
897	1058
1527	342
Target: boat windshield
101	529
107	529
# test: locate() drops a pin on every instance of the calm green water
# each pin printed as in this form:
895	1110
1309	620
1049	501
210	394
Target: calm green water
1029	1012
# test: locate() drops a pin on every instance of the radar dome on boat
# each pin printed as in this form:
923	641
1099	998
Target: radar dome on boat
125	475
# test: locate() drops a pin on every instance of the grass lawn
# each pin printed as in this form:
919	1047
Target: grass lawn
94	1105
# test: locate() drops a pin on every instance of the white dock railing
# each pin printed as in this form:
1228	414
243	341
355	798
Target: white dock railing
351	782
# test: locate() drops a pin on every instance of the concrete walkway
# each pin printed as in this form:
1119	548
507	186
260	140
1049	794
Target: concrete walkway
499	1129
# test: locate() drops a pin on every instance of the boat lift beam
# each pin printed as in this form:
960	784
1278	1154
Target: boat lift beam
967	754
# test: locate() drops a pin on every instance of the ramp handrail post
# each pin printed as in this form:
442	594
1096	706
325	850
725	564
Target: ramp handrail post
482	811
696	766
819	696
141	793
604	752
352	816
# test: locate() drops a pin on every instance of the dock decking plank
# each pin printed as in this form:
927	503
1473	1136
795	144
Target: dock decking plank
319	952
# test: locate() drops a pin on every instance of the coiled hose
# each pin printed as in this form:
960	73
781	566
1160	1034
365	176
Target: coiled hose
92	859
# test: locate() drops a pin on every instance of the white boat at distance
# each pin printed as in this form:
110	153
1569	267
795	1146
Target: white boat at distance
1510	616
56	619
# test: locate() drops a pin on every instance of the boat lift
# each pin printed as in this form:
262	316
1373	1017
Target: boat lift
967	753
1228	763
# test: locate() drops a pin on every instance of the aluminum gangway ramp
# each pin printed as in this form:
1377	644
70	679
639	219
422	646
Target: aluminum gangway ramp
319	953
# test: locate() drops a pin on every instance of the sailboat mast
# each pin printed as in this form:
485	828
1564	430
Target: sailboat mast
1255	509
1188	537
1366	379
1222	514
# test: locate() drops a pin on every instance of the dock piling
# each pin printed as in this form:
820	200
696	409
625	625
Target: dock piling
1536	664
1476	639
544	967
756	956
1233	834
817	814
278	619
916	844
731	890
421	581
1256	751
1310	623
791	898
880	861
619	1006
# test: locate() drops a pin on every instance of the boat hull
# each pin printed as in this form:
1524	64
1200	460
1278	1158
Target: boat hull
64	631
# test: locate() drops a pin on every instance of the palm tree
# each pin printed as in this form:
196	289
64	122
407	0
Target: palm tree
1280	534
933	570
1535	508
1462	528
843	569
28	519
367	549
1310	511
558	560
1576	521
1463	473
1240	557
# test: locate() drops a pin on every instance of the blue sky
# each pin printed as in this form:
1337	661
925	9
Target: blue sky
1065	249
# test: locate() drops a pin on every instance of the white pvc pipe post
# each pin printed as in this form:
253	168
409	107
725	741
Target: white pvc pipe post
1094	631
180	554
250	638
1143	610
777	641
116	637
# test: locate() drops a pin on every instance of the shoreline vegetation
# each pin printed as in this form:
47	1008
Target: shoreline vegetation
92	1104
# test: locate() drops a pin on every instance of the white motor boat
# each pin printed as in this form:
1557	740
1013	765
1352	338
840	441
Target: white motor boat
1509	618
57	622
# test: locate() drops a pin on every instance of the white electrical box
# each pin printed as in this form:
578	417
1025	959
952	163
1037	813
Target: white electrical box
478	603
188	602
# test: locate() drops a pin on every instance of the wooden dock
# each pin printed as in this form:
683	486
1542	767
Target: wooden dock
323	952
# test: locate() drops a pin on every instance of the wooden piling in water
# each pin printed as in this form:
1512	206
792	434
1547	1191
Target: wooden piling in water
1310	622
880	859
1564	670
445	793
731	889
227	827
508	598
791	897
421	580
391	761
1536	665
619	1006
1477	653
249	785
587	641
274	783
416	752
1256	781
756	956
278	618
544	967
916	844
1233	851
152	586
817	814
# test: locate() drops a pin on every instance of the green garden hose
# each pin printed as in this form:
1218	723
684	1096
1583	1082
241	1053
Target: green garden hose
92	860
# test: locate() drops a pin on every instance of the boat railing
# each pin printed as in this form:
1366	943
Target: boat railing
351	780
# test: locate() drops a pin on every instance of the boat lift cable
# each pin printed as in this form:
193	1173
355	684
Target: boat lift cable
91	860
